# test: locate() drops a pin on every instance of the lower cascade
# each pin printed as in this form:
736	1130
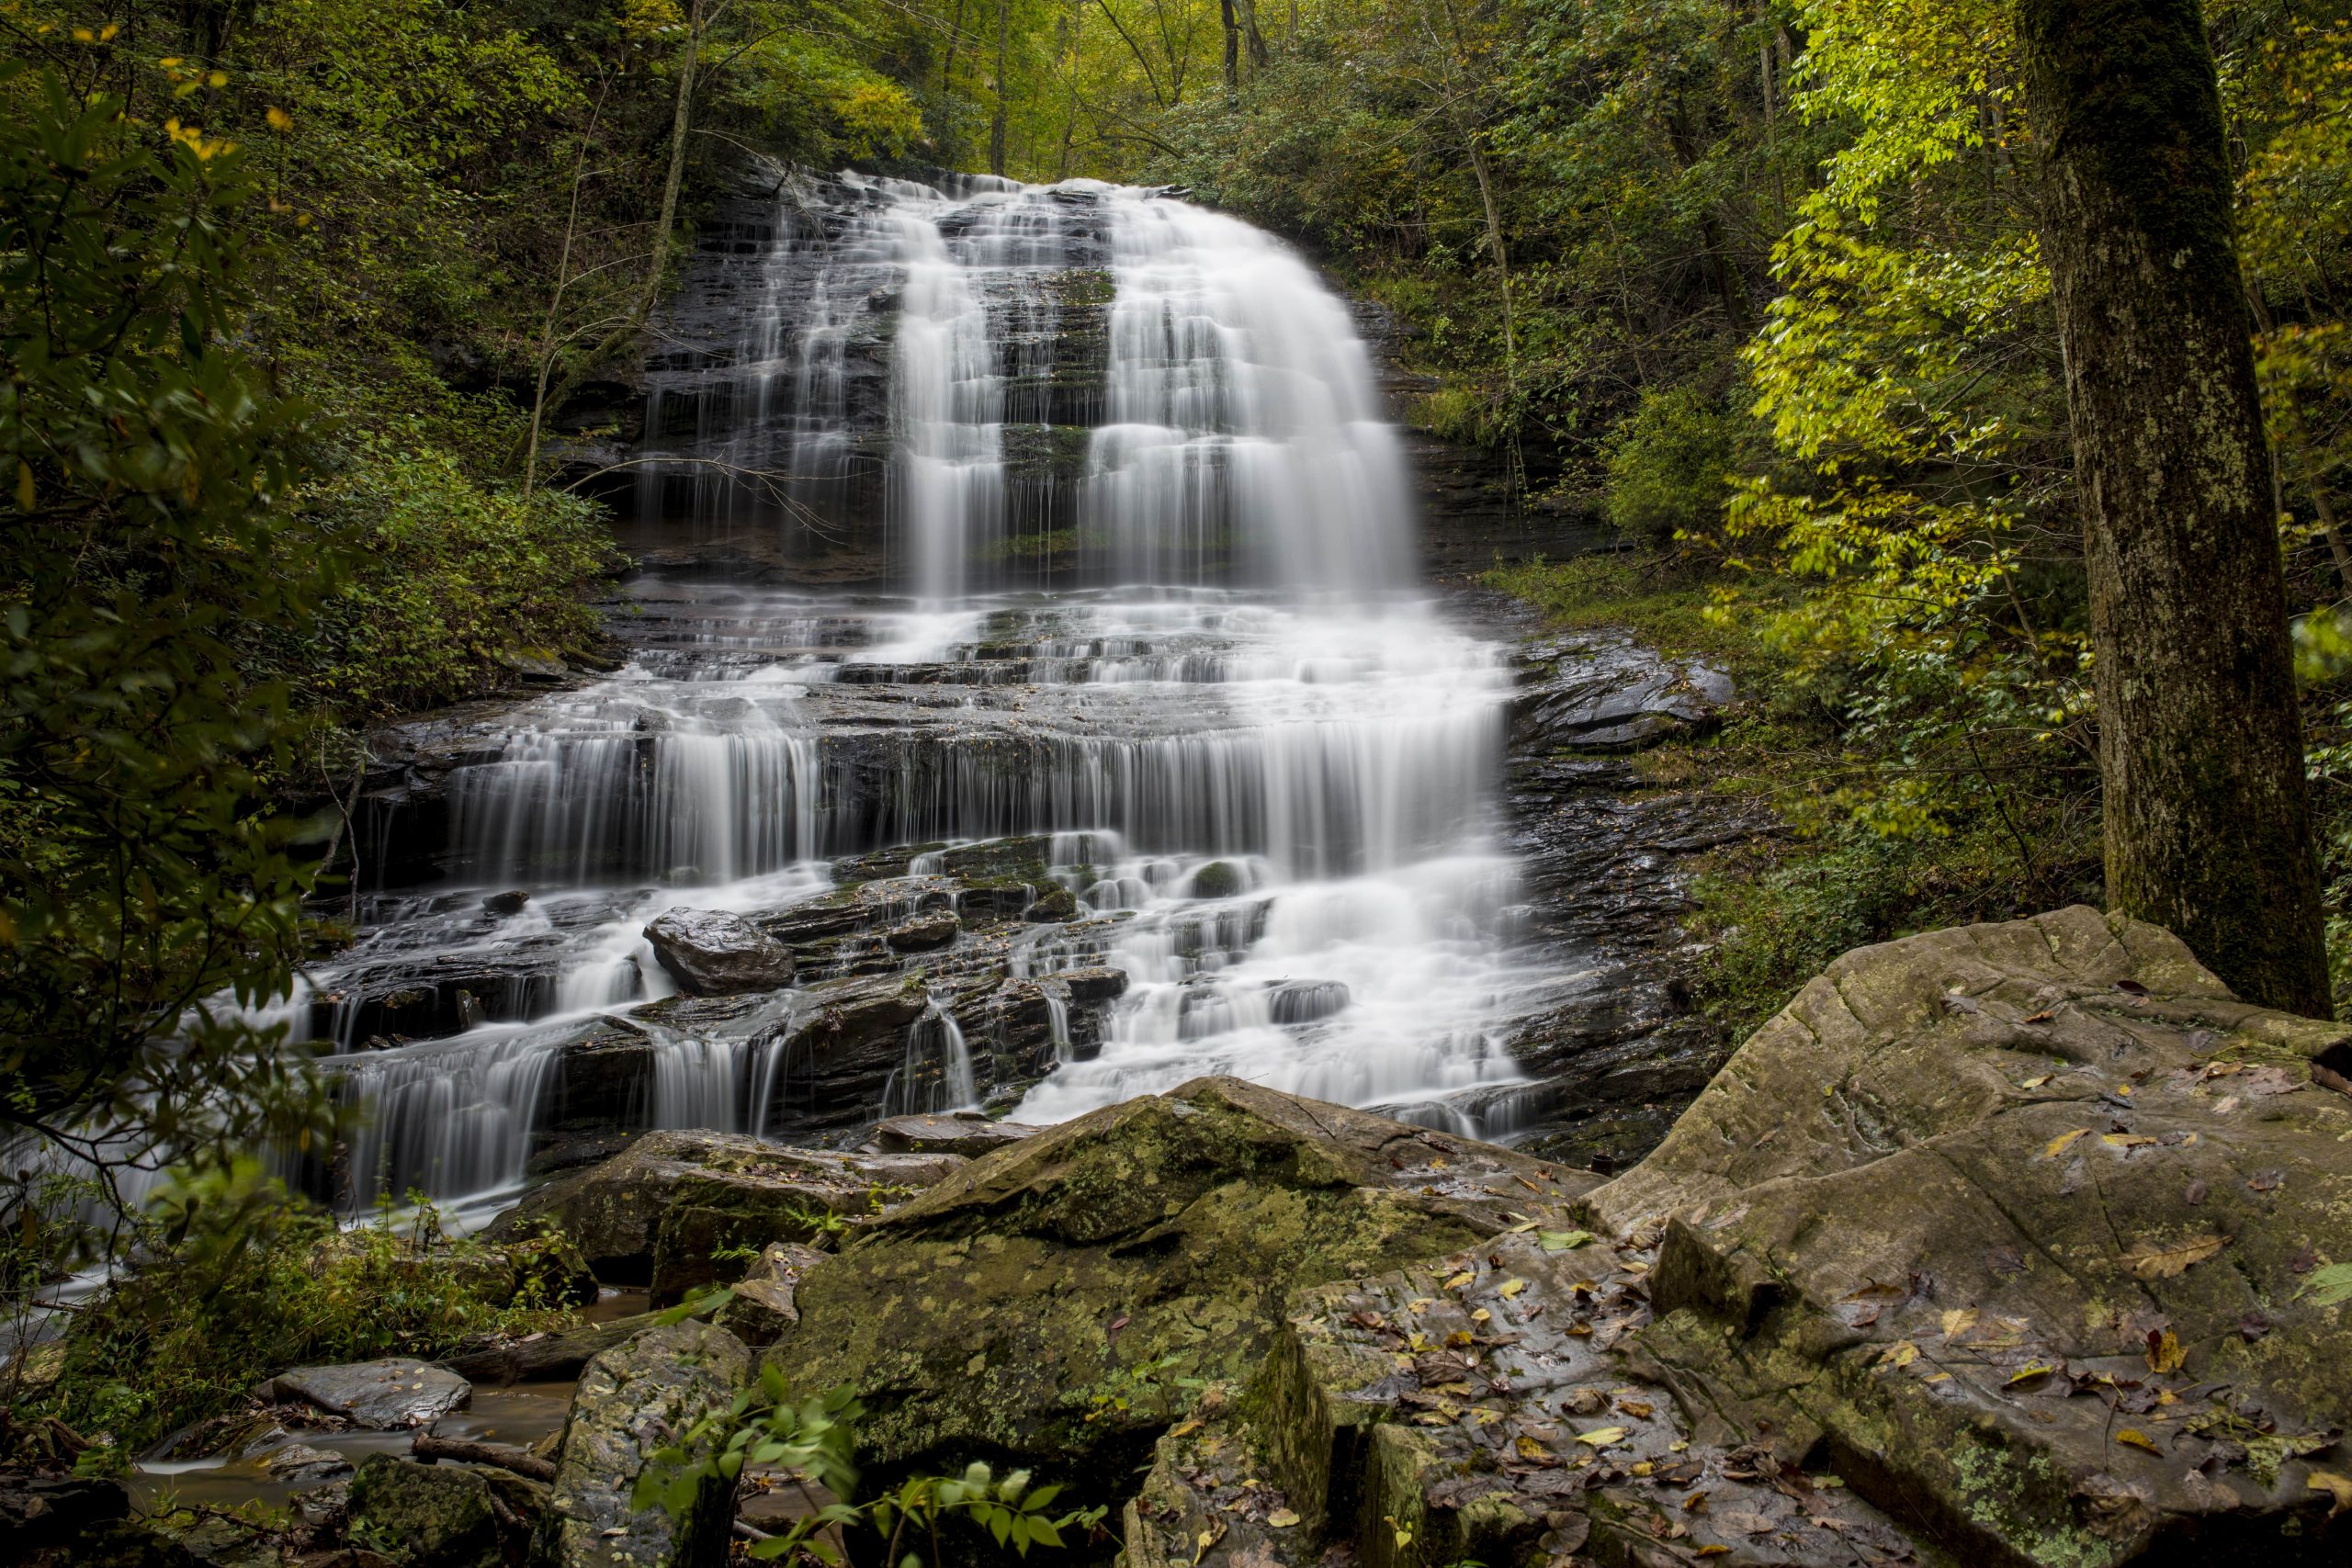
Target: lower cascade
1120	748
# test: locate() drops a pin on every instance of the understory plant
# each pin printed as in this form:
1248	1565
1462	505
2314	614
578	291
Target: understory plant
815	1441
231	1278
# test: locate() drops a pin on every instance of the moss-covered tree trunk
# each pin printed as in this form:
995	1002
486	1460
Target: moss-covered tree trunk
2201	742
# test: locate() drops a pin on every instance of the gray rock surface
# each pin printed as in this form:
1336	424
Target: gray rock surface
385	1395
713	953
630	1401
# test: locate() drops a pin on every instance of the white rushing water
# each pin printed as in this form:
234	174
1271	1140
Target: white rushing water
1267	763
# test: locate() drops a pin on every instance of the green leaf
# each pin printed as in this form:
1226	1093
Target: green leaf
2331	1286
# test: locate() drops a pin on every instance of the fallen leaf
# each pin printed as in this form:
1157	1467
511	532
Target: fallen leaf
1696	1504
2162	1260
1184	1428
2138	1440
1636	1408
2032	1371
2059	1145
1282	1518
1563	1241
2125	1140
1460	1280
1959	1320
2044	1016
2164	1354
2035	1083
1713	1551
2331	1286
1512	1287
1902	1353
2334	1485
1601	1436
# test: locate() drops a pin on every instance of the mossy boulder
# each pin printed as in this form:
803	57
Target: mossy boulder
1071	1296
2040	1233
656	1212
423	1515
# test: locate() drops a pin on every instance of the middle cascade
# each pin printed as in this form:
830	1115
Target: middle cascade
1159	646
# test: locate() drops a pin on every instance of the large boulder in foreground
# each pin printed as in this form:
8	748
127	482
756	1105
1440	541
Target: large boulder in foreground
654	1213
1069	1296
2039	1234
630	1401
712	954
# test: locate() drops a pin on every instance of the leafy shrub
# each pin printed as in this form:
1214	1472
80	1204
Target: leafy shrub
236	1280
451	579
1670	465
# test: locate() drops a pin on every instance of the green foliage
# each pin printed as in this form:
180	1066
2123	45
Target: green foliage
1671	465
453	578
816	1439
146	894
236	1280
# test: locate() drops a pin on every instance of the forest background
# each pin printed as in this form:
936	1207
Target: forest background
1757	285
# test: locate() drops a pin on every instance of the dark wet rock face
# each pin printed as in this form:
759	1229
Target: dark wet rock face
712	954
425	1516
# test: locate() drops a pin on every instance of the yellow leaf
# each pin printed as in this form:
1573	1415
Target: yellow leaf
1481	1315
1282	1518
2138	1440
1460	1280
2035	1083
2158	1260
1601	1436
2125	1140
2031	1372
26	495
1512	1287
1529	1448
2336	1486
278	119
1959	1320
1713	1551
1902	1353
2165	1354
2058	1144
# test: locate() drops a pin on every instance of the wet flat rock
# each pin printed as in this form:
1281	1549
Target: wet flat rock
385	1395
1486	1404
967	1136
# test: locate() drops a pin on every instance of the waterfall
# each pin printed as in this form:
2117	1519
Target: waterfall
1066	511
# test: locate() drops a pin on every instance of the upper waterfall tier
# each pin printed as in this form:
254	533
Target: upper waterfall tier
995	385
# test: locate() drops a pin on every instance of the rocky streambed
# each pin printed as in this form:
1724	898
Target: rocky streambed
2018	1243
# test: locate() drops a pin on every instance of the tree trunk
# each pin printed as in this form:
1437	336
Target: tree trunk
1232	49
2200	738
1003	89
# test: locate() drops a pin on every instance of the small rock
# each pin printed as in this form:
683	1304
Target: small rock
929	1134
763	1308
713	953
1055	905
925	932
299	1462
507	903
1218	879
385	1395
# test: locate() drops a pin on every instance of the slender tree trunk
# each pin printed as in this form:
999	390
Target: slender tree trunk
954	37
1232	49
1257	40
2200	738
1003	88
